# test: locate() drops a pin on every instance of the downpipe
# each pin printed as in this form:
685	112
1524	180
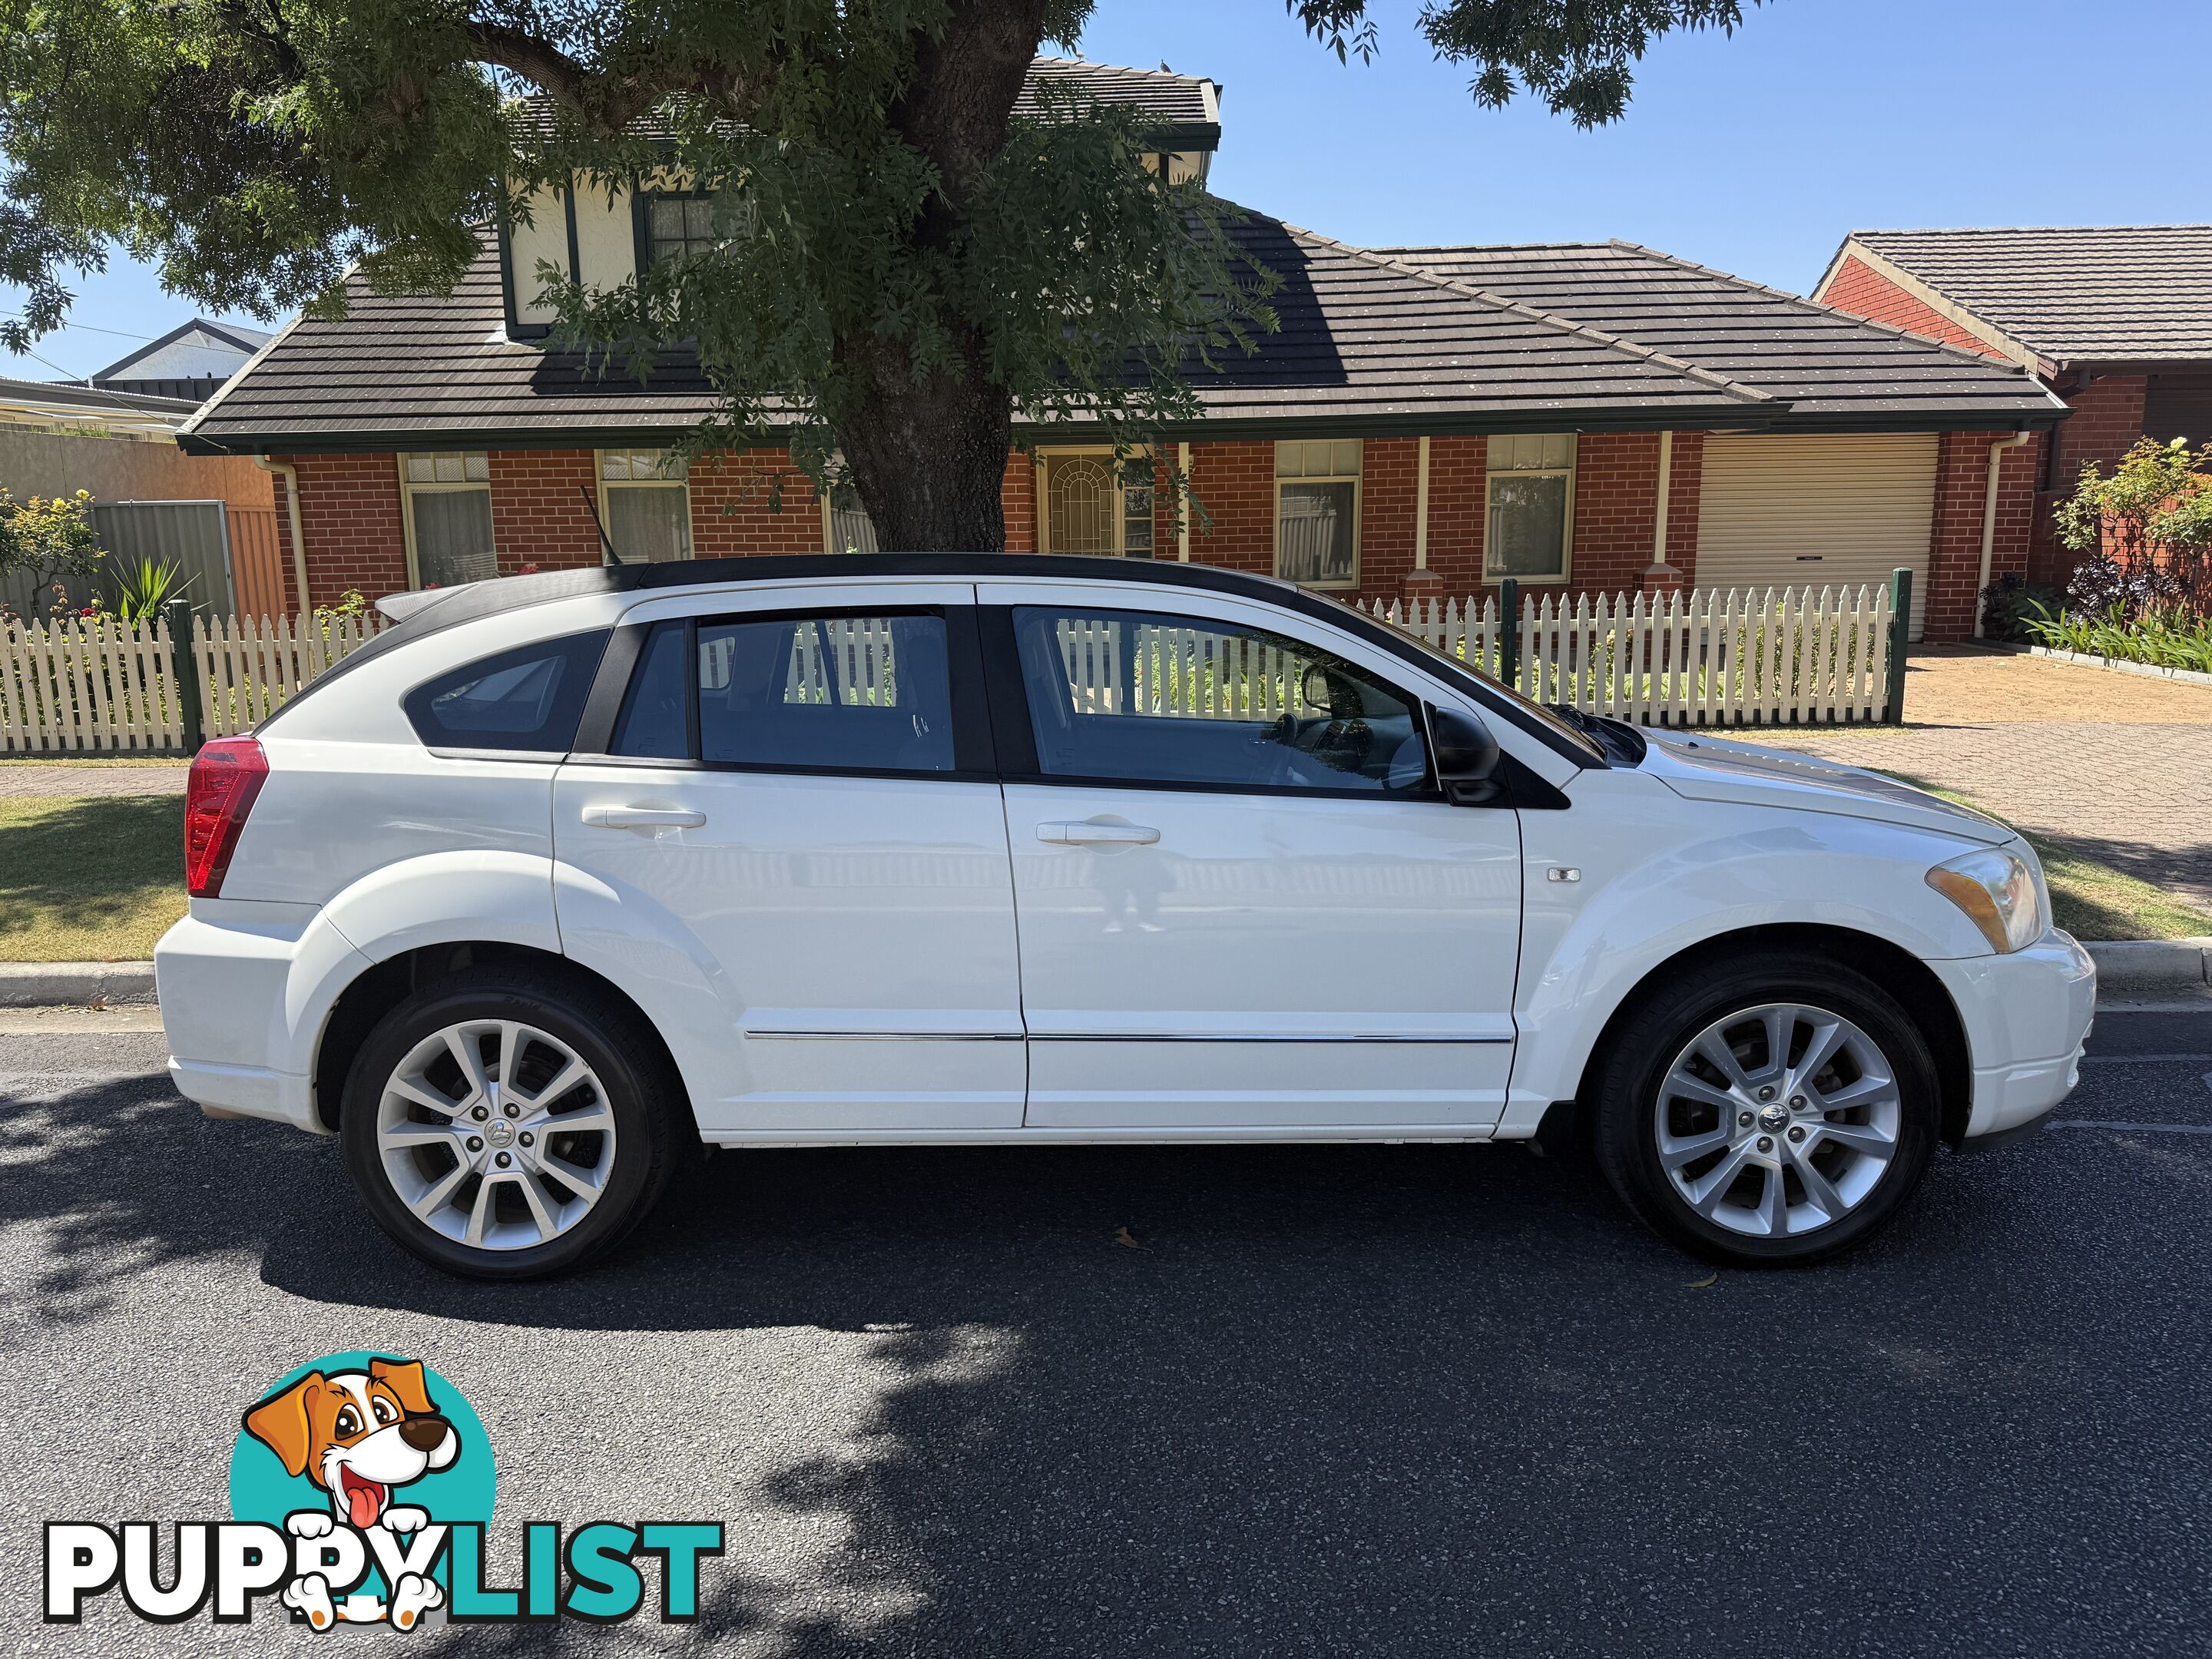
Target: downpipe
1989	519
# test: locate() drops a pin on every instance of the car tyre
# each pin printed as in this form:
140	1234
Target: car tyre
1709	1125
561	1140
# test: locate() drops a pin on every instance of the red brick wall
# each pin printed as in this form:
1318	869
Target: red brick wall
2107	422
350	506
1954	547
1860	289
349	514
538	515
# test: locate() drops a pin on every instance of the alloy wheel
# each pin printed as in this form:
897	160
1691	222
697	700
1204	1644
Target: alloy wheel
495	1134
1778	1120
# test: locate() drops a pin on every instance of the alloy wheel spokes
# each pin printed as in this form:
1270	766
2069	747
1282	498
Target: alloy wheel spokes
1778	1119
496	1135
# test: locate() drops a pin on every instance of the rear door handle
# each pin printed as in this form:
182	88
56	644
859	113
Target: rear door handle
643	817
1097	834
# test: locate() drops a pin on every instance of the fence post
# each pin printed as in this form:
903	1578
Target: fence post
1509	631
1900	627
185	672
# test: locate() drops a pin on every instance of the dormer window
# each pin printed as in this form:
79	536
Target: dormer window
680	224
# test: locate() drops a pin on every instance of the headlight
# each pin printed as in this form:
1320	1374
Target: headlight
1998	890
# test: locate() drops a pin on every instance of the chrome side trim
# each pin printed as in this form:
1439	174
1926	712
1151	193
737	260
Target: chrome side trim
886	1036
1254	1036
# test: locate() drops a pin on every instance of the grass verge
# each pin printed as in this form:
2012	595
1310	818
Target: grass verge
90	879
2091	900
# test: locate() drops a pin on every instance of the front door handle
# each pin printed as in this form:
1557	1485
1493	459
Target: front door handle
1097	834
643	817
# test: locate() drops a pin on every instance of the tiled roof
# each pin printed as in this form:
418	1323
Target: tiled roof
2075	294
1180	101
1405	340
1826	367
1188	105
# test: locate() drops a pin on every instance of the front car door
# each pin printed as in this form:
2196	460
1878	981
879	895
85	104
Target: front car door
1242	903
797	803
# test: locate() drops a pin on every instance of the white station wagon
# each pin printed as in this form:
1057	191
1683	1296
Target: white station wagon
564	874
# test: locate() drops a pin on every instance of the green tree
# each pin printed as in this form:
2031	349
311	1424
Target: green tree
49	537
906	262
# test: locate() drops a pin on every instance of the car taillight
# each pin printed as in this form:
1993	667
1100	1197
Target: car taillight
226	776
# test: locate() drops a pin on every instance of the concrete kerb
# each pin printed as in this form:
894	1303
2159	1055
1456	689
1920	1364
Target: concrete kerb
2130	967
74	984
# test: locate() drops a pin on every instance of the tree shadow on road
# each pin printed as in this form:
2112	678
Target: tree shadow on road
1251	1399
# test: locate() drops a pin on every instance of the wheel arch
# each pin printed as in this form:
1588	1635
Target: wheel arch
371	993
1926	1002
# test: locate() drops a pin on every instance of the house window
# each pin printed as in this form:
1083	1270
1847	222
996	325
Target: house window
1090	508
1317	512
646	499
1532	507
448	516
680	225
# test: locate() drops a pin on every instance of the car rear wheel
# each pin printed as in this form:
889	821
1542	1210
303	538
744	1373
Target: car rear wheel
1771	1114
508	1125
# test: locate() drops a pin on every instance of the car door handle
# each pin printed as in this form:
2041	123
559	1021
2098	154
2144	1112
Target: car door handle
643	817
1097	834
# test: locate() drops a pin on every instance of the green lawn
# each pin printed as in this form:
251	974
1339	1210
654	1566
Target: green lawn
93	878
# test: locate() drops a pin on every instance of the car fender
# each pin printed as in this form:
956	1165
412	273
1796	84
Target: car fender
1652	884
633	940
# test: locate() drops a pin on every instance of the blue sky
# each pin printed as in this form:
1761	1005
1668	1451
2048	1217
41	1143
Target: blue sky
1755	154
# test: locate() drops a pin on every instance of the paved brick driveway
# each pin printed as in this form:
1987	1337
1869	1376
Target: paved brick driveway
2118	765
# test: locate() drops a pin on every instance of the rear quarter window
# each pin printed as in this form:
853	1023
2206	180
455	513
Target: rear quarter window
527	699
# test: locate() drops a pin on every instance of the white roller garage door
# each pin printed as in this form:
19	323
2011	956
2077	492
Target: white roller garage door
1817	512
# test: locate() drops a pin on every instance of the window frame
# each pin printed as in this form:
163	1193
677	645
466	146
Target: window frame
1102	452
1492	575
409	488
1358	481
642	200
1015	736
684	483
973	759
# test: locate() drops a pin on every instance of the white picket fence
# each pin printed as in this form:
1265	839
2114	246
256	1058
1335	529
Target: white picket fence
1710	657
97	686
1736	657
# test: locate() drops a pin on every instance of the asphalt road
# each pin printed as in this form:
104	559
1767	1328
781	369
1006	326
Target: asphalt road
1385	1401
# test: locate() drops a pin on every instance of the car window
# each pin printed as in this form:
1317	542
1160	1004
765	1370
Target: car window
529	698
1148	697
869	693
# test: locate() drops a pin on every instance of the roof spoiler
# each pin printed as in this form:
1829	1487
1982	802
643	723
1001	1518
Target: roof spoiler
398	607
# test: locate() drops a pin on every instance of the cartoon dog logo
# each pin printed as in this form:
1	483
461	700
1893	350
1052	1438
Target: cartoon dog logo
359	1435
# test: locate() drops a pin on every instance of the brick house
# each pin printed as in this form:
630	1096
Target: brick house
1595	418
2116	320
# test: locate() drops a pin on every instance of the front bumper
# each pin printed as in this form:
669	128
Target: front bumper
2027	1016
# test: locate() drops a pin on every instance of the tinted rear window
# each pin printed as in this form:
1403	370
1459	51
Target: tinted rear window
529	698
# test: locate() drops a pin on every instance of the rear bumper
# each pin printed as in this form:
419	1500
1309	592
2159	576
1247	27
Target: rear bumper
2026	1016
242	1002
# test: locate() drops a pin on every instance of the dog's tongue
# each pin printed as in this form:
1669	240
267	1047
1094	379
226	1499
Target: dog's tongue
362	1500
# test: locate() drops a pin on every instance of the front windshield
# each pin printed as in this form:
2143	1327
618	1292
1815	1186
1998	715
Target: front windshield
1452	666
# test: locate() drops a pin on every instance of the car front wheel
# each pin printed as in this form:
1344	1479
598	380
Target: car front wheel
1773	1113
508	1125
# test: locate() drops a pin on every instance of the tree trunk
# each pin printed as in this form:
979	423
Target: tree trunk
928	453
929	456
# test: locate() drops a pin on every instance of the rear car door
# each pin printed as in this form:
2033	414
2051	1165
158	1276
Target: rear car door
797	797
1244	904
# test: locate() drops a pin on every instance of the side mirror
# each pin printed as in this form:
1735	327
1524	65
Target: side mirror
1314	689
1464	755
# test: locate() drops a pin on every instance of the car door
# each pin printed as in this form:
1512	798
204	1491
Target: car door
797	802
1242	903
